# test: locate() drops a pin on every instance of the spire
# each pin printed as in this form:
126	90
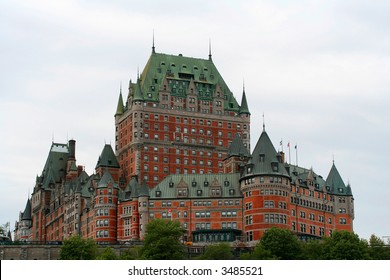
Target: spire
153	48
263	123
27	211
244	104
210	49
120	107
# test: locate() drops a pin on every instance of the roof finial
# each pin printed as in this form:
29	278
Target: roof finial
210	49
120	88
153	48
137	72
263	122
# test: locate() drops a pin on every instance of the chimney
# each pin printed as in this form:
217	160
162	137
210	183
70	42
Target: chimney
72	149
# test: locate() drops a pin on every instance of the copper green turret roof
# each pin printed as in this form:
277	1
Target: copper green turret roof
107	158
334	183
237	148
120	108
180	70
27	211
264	159
244	104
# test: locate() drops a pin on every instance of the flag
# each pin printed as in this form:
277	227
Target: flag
288	145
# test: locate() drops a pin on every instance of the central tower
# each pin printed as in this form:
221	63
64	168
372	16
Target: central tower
178	117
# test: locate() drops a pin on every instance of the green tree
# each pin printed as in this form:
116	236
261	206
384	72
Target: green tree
312	250
133	253
162	241
220	251
77	248
107	254
378	250
278	243
345	245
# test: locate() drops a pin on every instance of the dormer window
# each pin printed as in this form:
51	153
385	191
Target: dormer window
275	166
261	157
206	183
199	192
158	193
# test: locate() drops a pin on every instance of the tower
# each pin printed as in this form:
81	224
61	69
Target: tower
178	118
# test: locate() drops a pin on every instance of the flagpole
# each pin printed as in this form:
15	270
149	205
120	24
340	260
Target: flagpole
296	153
289	153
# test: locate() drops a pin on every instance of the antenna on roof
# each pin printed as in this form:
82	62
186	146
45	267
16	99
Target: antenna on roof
153	48
263	122
210	49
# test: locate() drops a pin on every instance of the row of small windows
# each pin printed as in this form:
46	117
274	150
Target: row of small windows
311	216
312	229
207	214
268	218
101	223
102	233
274	192
196	203
262	179
312	204
178	152
193	121
101	212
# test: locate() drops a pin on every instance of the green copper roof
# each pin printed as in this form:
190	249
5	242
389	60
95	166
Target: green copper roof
237	148
244	104
180	70
55	166
27	211
107	158
144	190
106	179
335	184
198	186
120	108
264	159
302	175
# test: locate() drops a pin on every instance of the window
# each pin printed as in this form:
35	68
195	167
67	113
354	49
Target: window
249	220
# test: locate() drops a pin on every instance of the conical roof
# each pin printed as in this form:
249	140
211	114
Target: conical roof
27	211
335	184
237	148
264	159
107	158
244	104
120	108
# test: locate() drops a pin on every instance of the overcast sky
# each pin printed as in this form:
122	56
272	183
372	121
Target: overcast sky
318	70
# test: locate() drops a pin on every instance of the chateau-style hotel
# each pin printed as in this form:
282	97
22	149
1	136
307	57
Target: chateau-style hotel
182	152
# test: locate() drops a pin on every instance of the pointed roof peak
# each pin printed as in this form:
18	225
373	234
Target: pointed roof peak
107	158
264	159
27	211
244	104
120	107
237	147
